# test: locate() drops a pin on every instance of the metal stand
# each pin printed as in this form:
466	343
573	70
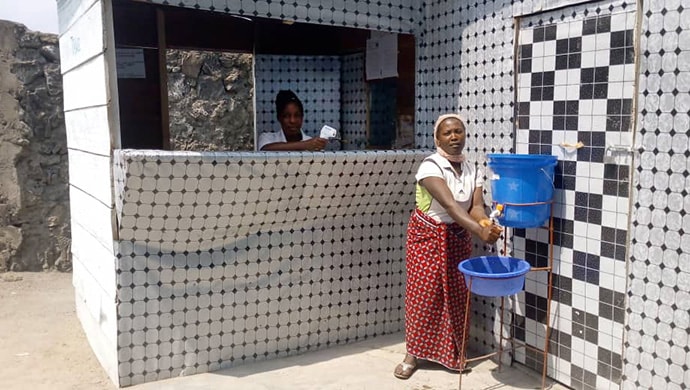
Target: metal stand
514	343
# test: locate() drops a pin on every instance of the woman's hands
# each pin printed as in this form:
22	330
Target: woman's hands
490	232
315	143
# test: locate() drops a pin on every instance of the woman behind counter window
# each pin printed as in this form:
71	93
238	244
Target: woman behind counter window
450	208
290	113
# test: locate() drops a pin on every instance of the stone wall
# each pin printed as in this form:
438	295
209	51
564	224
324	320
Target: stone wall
34	210
210	100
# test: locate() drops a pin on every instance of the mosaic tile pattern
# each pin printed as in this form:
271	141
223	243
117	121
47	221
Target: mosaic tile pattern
226	258
576	75
657	345
353	102
315	80
387	15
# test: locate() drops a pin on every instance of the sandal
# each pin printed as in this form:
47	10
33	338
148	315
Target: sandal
404	370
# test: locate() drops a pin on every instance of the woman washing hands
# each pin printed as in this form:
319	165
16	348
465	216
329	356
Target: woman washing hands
291	138
450	208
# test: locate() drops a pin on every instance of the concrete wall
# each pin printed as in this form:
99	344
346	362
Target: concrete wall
87	54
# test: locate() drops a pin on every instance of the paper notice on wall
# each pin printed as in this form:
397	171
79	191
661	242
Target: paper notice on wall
130	64
382	55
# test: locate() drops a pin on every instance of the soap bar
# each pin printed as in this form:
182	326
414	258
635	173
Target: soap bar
328	132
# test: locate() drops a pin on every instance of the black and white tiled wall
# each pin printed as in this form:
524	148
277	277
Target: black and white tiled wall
226	258
575	81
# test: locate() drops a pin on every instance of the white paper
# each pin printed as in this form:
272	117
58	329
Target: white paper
382	55
328	132
130	64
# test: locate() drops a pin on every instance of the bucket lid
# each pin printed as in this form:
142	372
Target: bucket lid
537	160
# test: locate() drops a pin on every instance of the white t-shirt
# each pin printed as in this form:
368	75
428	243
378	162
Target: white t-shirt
461	186
277	136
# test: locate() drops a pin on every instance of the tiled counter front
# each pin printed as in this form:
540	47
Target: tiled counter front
231	258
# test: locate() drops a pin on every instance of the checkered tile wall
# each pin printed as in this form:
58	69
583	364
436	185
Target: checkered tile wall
230	258
575	82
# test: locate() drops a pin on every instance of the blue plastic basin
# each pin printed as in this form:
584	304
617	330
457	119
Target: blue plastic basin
494	276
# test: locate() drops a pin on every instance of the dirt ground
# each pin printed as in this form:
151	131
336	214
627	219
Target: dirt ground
42	344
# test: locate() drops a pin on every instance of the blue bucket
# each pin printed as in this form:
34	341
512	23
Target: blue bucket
522	179
494	276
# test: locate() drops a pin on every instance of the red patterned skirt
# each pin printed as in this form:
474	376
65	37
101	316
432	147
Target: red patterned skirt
435	290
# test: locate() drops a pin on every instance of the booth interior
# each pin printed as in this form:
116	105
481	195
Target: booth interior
342	76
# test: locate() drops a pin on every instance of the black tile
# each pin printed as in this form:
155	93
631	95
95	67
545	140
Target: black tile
623	189
535	94
564	353
607	249
601	91
629	55
538	34
579	273
581	214
592	335
598	155
572	107
562	62
534	149
569	168
537	79
614	106
601	74
617	39
574	61
523	108
603	370
608	234
603	24
559	107
575	44
550	32
606	311
626	108
629	38
605	295
525	66
591	321
571	123
587	91
548	78
578	330
592	277
533	136
617	56
615	375
620	253
581	199
547	94
625	123
589	26
613	123
618	315
586	75
610	187
523	122
611	172
598	139
585	137
567	239
621	235
584	154
592	261
569	183
562	46
546	138
525	51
